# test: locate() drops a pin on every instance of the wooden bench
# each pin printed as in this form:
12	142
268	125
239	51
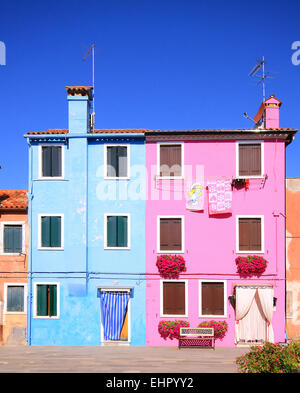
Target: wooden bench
196	338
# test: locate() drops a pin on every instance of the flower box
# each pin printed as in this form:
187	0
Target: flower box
170	266
220	327
171	329
252	265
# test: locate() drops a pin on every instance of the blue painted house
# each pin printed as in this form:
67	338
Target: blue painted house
87	226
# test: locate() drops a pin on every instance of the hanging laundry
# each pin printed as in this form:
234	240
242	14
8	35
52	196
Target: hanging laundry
196	197
219	196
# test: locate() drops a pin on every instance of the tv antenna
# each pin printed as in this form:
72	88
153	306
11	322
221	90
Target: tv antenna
92	49
263	76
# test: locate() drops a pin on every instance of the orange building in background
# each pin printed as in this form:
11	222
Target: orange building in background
13	266
293	258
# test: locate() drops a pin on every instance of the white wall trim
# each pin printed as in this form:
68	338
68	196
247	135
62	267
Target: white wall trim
262	217
105	162
128	231
2	224
35	300
237	143
13	284
162	298
200	299
158	144
40	173
159	251
40	215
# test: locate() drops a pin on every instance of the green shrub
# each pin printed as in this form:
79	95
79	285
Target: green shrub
271	358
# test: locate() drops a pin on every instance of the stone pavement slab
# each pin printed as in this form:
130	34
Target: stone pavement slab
85	359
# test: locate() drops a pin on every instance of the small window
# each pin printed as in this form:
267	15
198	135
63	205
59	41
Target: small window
51	231
250	159
117	231
212	299
51	157
170	160
15	298
12	239
250	234
174	298
170	234
117	162
46	300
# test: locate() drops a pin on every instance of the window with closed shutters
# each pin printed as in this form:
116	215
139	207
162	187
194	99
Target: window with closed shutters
170	234
15	298
174	298
250	159
51	161
117	161
51	231
250	234
46	300
117	231
212	295
170	164
12	239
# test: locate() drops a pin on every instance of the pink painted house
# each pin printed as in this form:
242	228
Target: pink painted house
214	196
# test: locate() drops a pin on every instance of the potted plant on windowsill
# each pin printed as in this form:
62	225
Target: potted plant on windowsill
220	328
170	266
252	265
171	329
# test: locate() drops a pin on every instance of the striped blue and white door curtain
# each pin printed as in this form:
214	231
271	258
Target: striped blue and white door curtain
113	308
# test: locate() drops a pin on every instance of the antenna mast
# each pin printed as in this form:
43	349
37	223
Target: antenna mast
92	48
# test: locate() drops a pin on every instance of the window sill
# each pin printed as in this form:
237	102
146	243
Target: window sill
51	248
45	317
169	177
173	316
14	313
116	248
212	316
250	252
170	251
250	177
116	178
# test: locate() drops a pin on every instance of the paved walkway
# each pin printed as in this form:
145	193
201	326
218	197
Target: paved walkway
65	359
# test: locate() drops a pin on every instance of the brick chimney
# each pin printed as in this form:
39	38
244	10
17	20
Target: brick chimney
80	99
269	113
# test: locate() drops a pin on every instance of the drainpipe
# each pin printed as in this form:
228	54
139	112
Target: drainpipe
30	196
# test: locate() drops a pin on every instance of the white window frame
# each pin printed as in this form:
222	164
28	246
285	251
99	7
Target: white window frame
158	144
159	251
17	284
128	231
40	231
128	162
40	169
200	300
57	299
2	225
237	217
262	150
162	299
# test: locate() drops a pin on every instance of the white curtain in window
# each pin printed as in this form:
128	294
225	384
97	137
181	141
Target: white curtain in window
244	299
266	299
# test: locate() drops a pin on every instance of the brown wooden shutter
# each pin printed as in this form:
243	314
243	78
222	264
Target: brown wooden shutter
174	298
249	159
170	160
170	234
212	294
250	234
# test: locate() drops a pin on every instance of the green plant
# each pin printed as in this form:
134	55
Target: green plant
170	329
220	327
271	358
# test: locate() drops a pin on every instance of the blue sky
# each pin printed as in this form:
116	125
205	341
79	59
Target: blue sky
159	64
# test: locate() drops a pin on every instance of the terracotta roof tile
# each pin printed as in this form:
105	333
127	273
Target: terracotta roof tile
144	130
13	199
